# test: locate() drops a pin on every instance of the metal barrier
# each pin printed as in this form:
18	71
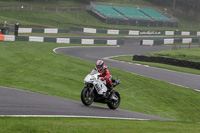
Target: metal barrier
62	40
170	61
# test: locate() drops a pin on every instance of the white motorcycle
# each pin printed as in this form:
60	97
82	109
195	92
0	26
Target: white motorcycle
95	90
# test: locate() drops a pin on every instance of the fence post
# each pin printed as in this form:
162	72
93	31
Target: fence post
189	44
16	29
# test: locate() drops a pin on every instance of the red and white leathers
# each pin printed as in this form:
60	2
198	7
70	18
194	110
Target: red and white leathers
105	75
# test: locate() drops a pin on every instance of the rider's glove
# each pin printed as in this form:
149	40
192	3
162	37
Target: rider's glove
102	79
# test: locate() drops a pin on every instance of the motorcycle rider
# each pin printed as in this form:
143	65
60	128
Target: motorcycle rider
104	74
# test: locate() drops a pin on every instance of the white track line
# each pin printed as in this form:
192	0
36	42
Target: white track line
54	50
73	116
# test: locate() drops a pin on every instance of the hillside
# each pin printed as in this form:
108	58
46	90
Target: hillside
60	19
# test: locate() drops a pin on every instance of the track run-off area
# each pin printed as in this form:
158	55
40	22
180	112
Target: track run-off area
16	102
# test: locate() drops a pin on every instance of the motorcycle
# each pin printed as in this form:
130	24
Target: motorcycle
95	90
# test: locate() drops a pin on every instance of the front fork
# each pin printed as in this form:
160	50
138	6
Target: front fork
90	88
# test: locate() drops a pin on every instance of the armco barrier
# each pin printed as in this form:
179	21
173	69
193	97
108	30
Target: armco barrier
62	40
134	32
170	41
105	31
169	61
45	30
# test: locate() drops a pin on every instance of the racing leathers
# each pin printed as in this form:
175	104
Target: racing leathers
105	75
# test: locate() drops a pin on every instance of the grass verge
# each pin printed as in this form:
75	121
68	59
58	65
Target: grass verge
38	3
191	54
82	125
35	67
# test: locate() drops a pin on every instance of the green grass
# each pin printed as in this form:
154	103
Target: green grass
30	60
37	3
54	19
48	18
35	67
83	125
40	19
191	54
159	65
187	22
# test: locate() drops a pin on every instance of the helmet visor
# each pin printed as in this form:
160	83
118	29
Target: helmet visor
98	66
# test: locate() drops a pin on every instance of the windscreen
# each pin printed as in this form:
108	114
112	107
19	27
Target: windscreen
94	71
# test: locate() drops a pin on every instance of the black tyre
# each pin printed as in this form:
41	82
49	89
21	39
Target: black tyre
114	104
86	98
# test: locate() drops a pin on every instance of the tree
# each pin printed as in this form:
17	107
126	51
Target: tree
196	7
186	6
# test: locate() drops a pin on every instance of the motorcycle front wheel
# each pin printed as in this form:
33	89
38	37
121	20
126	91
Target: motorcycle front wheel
87	98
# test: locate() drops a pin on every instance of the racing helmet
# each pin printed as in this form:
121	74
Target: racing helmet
100	65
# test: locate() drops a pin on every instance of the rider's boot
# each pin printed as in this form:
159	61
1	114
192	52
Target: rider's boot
111	92
110	87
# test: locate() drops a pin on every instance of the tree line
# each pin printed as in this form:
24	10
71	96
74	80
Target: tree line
186	6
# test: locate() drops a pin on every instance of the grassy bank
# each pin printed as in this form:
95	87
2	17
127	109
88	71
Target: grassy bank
33	66
48	18
65	20
38	3
82	125
191	54
58	19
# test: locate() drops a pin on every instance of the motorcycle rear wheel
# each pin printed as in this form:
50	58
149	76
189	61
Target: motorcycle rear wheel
86	98
114	104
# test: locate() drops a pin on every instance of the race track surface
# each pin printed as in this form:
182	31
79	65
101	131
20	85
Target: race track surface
20	102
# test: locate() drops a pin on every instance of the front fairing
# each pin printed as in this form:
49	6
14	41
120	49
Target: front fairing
93	76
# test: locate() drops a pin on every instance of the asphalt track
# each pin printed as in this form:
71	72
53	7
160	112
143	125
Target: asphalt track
19	102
